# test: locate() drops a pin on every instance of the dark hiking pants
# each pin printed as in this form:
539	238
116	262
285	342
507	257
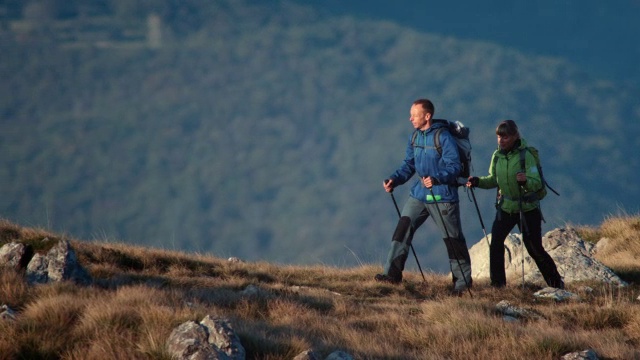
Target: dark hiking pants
413	215
532	239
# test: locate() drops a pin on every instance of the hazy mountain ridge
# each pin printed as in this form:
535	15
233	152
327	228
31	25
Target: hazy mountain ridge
597	36
268	137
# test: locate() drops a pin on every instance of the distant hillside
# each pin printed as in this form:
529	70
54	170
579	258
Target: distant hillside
570	30
264	131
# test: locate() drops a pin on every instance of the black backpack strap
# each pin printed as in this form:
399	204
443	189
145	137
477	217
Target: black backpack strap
413	138
494	164
550	188
436	140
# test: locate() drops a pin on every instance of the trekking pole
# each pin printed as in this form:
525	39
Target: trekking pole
455	252
411	245
480	216
523	230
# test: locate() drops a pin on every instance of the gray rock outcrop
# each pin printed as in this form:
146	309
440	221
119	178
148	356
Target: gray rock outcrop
59	264
15	255
210	339
573	257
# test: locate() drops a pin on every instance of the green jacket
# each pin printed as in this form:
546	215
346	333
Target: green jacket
502	174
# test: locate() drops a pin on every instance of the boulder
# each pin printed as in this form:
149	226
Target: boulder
210	339
190	341
572	255
15	255
59	264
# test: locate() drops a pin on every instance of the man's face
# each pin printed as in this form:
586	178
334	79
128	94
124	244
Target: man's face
419	117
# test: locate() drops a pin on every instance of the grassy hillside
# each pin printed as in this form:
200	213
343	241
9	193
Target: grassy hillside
140	294
264	131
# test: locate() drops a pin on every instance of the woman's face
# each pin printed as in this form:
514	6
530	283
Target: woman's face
506	142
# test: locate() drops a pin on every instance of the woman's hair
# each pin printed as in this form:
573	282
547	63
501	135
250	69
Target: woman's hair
507	128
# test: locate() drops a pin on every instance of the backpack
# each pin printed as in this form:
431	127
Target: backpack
543	190
461	136
540	194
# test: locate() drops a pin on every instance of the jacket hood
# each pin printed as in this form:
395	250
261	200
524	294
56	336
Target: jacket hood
436	124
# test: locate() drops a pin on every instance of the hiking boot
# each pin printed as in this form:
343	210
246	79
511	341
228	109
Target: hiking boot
460	290
387	279
461	274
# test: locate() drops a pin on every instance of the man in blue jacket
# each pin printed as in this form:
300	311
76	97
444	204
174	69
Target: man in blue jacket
438	173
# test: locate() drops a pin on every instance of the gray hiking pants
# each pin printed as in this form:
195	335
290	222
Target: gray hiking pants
414	214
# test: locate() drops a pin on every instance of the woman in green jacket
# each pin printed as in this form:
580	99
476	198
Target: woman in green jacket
517	192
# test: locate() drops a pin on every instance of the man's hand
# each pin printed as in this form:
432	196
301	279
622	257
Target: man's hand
521	178
388	185
428	182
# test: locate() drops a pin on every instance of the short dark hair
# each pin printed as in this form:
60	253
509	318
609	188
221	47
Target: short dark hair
426	104
507	128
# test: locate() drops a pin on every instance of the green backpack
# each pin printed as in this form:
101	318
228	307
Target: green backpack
540	194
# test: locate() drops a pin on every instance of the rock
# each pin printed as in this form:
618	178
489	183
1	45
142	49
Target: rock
581	355
15	255
6	313
37	270
573	257
339	355
508	310
306	355
602	244
190	341
555	294
209	339
59	264
222	336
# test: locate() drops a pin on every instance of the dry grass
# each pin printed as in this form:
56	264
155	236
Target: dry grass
141	294
619	238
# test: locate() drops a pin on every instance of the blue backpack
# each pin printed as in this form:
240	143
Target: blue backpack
461	135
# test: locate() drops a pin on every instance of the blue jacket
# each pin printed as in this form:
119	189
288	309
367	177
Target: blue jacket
423	158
